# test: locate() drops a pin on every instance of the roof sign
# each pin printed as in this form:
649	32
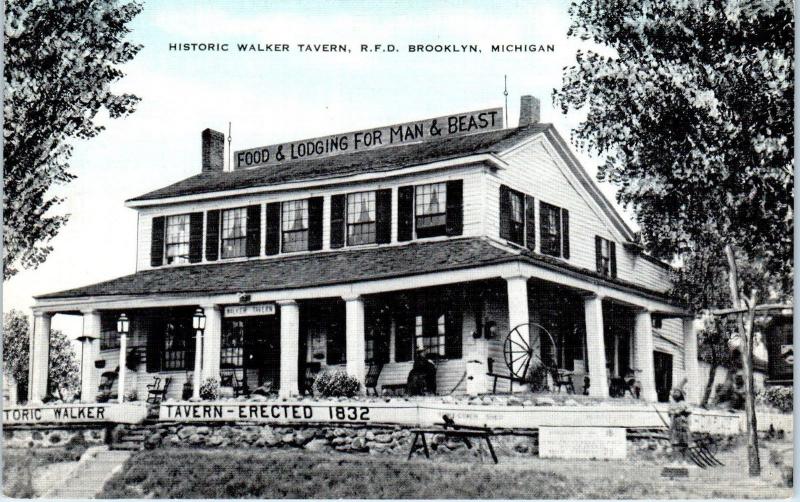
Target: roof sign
459	124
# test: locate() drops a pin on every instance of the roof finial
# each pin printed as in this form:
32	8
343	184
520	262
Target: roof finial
505	94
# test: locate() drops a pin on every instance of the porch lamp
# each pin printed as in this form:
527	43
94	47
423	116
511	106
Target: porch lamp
123	324
199	325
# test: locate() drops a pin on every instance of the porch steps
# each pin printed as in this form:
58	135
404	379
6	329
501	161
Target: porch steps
87	480
132	439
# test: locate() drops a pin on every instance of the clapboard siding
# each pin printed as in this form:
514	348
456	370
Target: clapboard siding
472	205
534	171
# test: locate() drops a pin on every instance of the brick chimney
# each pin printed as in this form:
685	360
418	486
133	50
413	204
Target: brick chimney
528	111
213	151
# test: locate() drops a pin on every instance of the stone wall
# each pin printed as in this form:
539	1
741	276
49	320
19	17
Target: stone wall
43	437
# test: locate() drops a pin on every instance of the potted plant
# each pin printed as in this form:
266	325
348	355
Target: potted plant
100	364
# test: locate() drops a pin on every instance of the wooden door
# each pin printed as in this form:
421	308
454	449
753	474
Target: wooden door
662	363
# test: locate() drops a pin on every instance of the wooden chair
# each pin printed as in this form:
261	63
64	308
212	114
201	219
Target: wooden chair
562	379
230	378
105	391
156	392
371	380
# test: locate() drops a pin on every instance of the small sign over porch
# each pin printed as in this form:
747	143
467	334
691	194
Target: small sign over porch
249	310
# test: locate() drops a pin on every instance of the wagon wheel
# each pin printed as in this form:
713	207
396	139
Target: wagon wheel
518	352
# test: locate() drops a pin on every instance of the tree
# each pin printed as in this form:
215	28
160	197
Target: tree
60	61
691	106
63	370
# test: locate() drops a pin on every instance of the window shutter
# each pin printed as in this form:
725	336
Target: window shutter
505	213
153	349
455	207
405	213
253	244
315	223
453	335
613	252
383	216
195	237
157	242
338	215
212	235
273	237
598	253
565	233
530	222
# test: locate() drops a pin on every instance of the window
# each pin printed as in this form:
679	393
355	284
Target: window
550	218
431	209
109	336
234	232
429	333
517	226
294	225
378	320
178	351
361	218
232	345
177	241
604	257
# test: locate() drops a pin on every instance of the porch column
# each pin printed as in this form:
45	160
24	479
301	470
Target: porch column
39	356
198	365
212	341
596	346
354	333
123	349
290	347
643	334
690	361
518	312
89	345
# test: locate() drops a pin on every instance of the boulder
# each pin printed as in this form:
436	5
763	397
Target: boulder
545	401
570	402
214	441
196	439
359	444
370	436
527	402
522	447
340	441
302	437
187	432
383	438
287	438
514	401
339	432
257	398
204	430
317	445
272	440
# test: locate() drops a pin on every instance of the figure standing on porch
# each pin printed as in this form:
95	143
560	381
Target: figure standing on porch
422	377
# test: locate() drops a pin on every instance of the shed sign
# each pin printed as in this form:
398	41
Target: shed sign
447	126
250	310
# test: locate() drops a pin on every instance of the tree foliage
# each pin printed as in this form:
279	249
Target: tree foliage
692	109
63	368
61	58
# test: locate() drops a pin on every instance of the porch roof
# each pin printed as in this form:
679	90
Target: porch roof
378	160
329	268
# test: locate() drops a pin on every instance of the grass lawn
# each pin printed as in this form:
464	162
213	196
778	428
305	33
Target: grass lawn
198	473
25	470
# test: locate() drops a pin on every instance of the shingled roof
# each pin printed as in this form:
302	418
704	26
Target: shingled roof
328	268
378	160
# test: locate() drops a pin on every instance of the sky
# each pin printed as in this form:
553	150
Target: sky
272	97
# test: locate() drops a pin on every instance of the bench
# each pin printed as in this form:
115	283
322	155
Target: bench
451	430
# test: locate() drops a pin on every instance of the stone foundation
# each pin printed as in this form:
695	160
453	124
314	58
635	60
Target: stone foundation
43	437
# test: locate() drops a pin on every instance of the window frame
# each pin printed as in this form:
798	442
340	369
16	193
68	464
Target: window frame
304	207
241	240
605	257
516	228
373	222
109	336
549	216
170	356
184	257
422	231
231	355
430	333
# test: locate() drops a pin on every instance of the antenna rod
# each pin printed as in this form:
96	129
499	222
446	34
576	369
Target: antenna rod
505	94
230	167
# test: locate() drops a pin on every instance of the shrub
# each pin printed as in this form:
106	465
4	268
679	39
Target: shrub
210	389
777	397
336	384
131	395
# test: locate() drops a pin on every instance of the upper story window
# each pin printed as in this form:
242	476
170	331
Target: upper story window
294	226
430	209
554	230
177	241
234	232
517	222
361	220
605	251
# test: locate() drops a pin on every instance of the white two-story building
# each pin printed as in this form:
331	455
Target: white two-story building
376	247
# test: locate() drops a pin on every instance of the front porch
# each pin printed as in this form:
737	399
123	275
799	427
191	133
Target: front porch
276	343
